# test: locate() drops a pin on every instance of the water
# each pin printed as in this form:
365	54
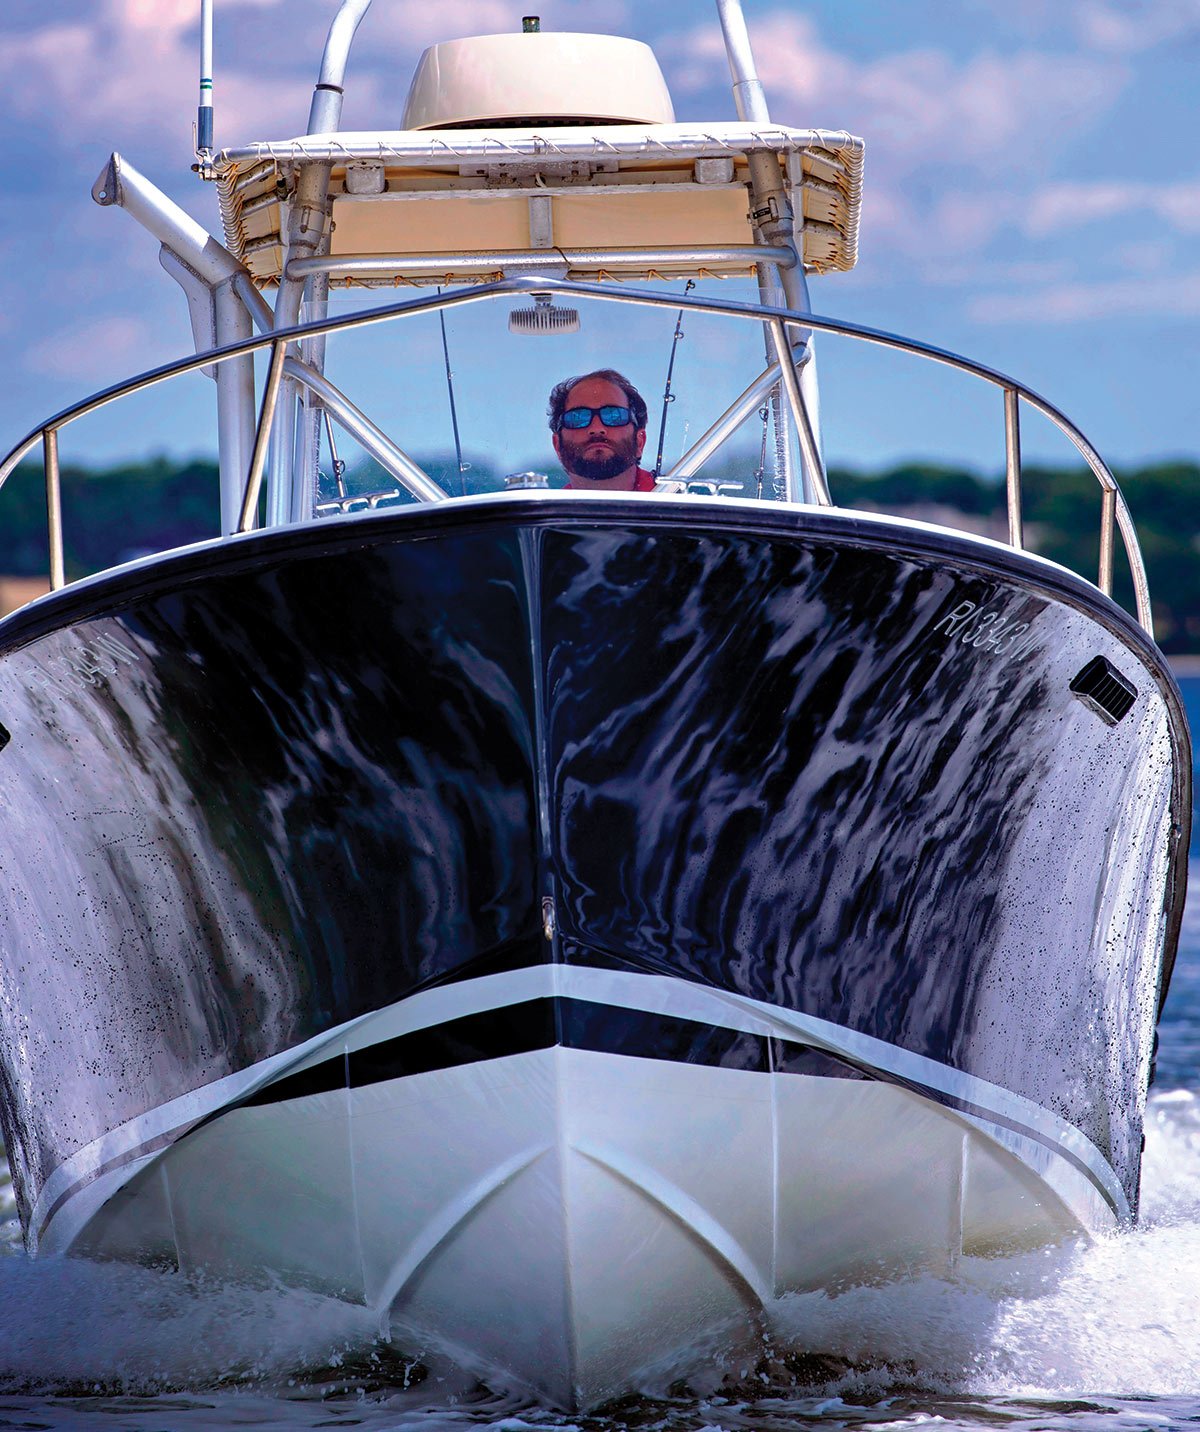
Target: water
1082	1336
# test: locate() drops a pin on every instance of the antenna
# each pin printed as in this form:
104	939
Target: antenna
204	114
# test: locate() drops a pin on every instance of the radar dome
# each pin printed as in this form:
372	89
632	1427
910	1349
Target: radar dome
539	78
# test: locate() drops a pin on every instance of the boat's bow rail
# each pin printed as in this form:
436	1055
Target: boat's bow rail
781	327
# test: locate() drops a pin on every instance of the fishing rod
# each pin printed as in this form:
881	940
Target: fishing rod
458	457
668	396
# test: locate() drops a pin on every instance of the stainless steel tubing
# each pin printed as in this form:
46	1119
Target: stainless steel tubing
385	452
1012	466
247	178
235	402
725	426
262	437
122	184
606	294
417	150
814	471
748	94
58	575
384	265
256	305
1133	551
1108	512
325	113
308	236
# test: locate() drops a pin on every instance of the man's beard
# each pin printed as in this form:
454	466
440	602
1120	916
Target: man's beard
600	469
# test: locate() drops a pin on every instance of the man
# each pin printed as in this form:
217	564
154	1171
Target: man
598	424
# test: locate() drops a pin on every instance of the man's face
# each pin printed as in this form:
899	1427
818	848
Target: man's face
597	456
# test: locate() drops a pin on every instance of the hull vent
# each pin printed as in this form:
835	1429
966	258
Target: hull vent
1102	687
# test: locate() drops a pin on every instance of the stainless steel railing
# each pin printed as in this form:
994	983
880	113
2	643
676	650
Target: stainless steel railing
1115	515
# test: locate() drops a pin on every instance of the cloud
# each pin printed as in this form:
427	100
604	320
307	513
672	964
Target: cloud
1179	204
93	351
128	74
1070	205
412	24
415	23
1122	27
127	70
915	107
933	231
952	140
1136	296
1135	24
1025	273
1145	256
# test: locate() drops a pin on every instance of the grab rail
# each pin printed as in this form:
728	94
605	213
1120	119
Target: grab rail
1115	515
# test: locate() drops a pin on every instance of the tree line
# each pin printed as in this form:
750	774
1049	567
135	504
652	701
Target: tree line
113	514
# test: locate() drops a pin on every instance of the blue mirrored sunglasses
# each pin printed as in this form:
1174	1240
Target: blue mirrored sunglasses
610	415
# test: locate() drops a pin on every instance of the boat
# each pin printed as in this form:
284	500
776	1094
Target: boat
568	922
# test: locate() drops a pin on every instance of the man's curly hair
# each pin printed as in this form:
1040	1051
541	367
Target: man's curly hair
633	399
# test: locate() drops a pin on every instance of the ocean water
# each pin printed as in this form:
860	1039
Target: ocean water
1081	1336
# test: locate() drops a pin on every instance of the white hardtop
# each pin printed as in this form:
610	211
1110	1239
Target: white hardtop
560	143
436	199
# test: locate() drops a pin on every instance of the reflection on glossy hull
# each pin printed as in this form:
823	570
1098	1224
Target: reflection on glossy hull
800	815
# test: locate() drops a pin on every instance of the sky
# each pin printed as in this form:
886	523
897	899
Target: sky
1032	189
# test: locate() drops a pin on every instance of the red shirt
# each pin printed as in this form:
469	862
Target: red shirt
644	483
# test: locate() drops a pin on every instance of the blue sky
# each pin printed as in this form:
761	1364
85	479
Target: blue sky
1032	190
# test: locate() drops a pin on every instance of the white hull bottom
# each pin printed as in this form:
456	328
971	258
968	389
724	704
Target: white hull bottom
568	1220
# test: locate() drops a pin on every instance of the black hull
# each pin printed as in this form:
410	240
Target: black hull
834	765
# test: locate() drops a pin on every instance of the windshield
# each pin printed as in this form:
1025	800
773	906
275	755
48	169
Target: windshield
446	396
464	391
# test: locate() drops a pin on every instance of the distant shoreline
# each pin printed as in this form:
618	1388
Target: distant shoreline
1185	665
